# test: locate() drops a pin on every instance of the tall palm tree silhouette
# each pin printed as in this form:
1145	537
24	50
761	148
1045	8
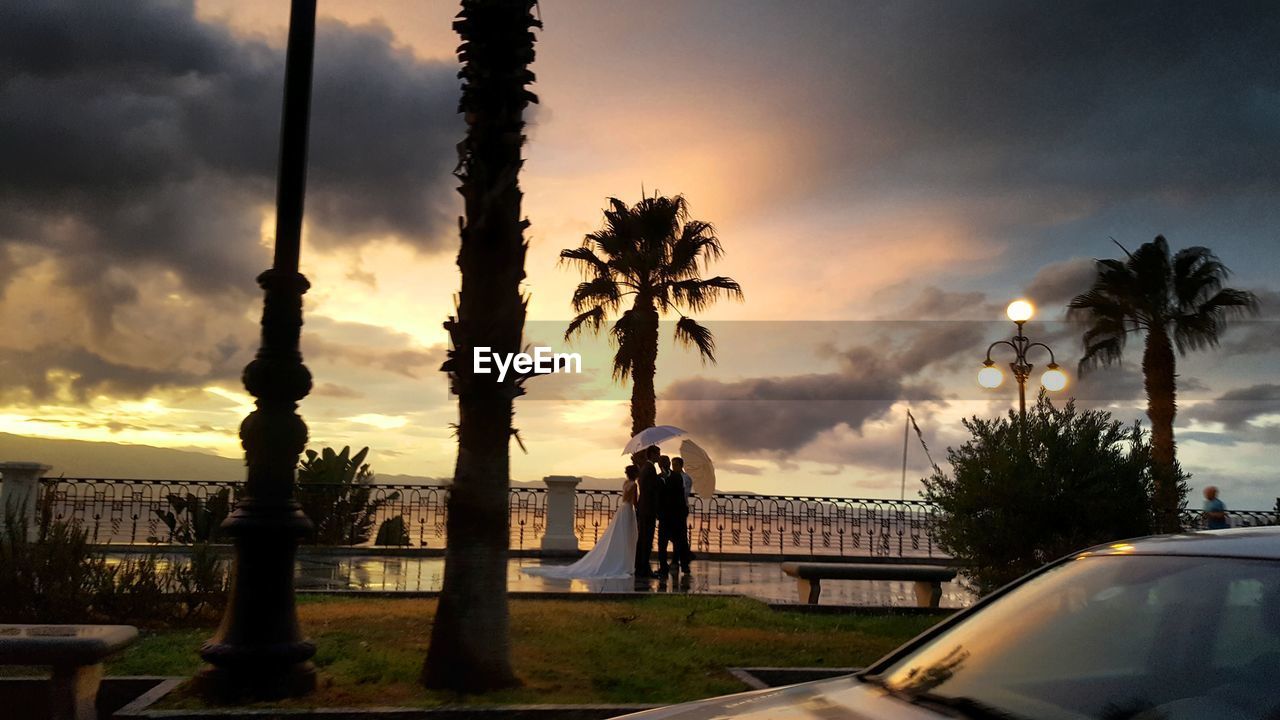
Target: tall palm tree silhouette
470	649
1179	302
651	252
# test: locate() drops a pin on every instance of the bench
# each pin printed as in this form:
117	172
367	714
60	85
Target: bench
75	652
928	579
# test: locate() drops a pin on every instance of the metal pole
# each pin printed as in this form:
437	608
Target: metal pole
1022	399
258	652
906	430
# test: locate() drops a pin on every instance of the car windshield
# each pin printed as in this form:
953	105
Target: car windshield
1115	637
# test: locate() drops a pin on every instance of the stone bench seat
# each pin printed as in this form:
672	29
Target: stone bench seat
75	652
928	579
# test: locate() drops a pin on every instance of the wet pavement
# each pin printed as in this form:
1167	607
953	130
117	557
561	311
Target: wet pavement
762	580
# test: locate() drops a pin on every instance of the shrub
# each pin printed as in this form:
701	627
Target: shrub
393	531
60	577
192	519
50	579
1079	478
333	489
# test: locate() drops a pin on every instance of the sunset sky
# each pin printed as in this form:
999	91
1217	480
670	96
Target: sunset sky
885	177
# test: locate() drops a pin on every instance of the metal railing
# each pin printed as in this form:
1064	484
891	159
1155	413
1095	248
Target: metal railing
778	525
136	512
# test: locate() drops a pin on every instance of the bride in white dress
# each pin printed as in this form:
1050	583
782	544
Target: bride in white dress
614	555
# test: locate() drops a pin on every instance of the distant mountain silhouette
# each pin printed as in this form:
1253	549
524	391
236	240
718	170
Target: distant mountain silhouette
79	458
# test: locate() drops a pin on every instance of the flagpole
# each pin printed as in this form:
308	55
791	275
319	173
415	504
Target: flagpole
906	435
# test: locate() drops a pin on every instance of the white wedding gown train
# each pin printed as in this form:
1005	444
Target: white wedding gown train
614	555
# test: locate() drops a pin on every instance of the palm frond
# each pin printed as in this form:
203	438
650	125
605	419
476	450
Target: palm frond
1203	327
697	241
1106	351
624	337
690	334
601	291
1197	274
697	293
591	263
593	319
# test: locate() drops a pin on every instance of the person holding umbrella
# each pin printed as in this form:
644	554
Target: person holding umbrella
647	504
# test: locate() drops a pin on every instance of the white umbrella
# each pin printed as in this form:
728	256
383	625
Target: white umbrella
698	464
652	436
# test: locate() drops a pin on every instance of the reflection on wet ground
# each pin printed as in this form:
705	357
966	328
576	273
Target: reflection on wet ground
763	580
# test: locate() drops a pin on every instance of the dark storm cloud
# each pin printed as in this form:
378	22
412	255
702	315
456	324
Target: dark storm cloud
935	303
1056	284
782	414
1256	335
138	143
135	133
1095	98
1235	408
83	374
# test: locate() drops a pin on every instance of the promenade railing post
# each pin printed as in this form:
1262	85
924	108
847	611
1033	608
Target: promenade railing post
559	537
20	495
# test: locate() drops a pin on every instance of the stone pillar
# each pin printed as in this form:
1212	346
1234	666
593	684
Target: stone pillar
20	494
559	536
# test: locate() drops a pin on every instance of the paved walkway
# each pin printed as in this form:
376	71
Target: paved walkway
763	580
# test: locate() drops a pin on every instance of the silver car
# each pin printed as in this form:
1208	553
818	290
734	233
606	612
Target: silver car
1174	627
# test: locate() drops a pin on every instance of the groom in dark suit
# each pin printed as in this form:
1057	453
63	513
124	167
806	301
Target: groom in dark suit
649	486
673	518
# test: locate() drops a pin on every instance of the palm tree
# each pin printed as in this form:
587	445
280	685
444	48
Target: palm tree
1179	302
470	648
651	253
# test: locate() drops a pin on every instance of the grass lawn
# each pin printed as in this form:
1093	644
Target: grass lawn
649	650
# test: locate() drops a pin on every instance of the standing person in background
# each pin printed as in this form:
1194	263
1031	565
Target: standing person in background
677	465
1215	511
649	486
673	519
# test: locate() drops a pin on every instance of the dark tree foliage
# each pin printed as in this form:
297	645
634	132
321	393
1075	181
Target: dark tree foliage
193	519
1178	302
334	491
1010	505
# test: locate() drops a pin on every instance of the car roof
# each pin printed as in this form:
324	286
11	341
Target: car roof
1255	542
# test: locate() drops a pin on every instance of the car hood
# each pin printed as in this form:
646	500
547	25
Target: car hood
845	698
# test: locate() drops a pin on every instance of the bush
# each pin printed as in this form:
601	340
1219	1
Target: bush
393	531
51	579
61	578
192	519
1080	479
333	489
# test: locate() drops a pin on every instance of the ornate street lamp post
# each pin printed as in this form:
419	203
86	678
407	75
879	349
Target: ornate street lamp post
258	652
1020	311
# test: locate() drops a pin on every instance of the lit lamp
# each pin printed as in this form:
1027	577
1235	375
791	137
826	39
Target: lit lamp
1053	380
990	376
1020	311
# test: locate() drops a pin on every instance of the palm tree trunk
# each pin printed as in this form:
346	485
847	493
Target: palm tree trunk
470	646
644	403
1159	376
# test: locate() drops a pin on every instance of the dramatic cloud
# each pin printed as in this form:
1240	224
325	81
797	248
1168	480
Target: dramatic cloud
135	133
1235	408
782	414
1077	100
139	149
1056	284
